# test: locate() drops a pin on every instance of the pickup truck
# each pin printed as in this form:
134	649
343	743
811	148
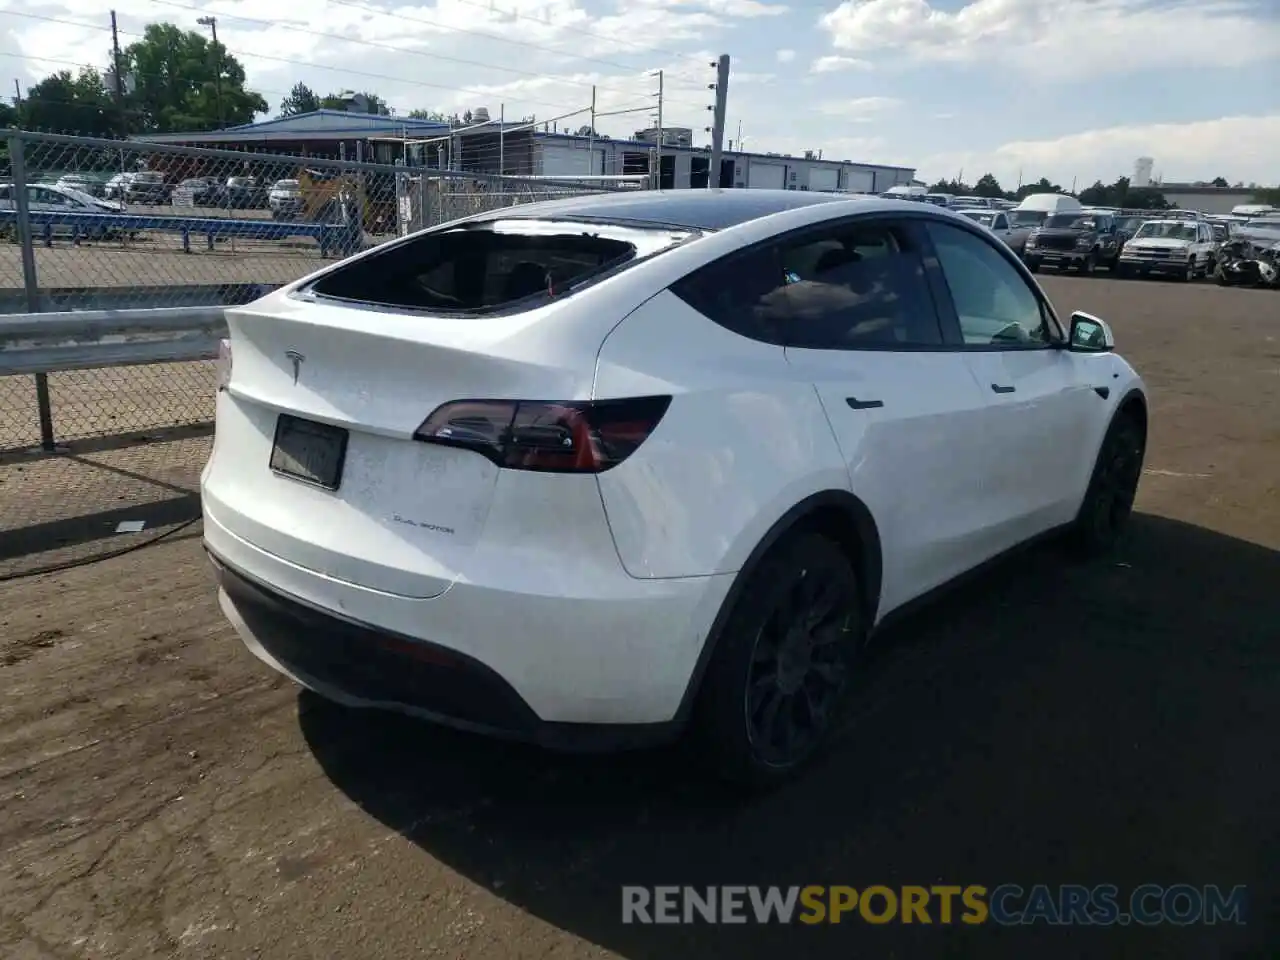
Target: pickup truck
998	222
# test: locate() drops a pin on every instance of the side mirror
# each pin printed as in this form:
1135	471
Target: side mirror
1090	334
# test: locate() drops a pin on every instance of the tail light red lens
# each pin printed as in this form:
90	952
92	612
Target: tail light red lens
587	436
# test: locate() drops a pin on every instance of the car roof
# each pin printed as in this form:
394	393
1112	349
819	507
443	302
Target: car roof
697	209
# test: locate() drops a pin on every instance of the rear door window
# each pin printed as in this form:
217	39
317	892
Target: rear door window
850	286
492	265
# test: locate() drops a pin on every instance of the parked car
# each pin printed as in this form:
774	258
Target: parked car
285	199
1080	239
114	188
669	465
1184	249
244	193
997	221
147	187
972	203
84	184
199	191
51	198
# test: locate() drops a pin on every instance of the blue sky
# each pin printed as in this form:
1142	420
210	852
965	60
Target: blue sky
1059	88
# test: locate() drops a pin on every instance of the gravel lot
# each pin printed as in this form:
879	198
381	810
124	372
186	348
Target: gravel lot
164	795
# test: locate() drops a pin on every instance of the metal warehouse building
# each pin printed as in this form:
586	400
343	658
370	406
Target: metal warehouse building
522	149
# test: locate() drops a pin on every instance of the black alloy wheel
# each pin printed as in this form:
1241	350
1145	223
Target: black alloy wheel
1108	503
785	662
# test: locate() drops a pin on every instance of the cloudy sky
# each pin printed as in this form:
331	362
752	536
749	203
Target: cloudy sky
1059	88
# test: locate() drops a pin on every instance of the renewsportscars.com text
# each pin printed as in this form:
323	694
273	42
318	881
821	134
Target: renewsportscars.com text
1007	905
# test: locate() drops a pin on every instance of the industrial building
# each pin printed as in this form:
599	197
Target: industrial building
526	148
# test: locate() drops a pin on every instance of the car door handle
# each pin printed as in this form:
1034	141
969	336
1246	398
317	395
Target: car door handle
856	404
999	389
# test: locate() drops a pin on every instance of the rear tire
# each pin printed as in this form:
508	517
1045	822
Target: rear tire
783	666
1108	501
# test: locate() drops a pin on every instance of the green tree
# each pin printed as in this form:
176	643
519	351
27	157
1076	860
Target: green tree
956	188
1220	182
185	82
301	99
435	115
63	103
339	101
1043	185
1271	196
1120	194
988	186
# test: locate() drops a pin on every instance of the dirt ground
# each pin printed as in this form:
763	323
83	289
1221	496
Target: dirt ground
164	795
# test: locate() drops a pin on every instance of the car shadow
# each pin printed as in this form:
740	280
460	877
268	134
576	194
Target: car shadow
1049	722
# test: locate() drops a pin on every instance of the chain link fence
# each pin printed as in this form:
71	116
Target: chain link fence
93	224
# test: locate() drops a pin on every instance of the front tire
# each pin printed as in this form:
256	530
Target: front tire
1108	501
783	666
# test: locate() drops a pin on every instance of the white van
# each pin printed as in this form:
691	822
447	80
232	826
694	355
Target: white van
1033	209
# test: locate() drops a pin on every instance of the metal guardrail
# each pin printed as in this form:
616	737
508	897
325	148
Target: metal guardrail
332	237
85	339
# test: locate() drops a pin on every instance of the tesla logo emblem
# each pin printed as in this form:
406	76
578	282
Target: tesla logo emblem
297	360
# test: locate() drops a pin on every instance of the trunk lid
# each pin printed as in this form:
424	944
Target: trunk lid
405	515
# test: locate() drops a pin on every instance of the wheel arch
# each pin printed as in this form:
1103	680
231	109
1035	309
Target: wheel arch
835	513
1134	404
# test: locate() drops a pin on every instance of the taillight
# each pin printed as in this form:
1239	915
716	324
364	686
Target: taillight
586	436
224	364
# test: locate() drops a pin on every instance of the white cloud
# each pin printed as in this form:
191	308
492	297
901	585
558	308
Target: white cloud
1058	38
832	64
437	54
1238	148
786	56
859	109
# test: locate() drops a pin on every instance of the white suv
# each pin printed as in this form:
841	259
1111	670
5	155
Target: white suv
587	471
1184	249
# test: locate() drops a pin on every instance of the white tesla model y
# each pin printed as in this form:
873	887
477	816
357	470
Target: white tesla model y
590	471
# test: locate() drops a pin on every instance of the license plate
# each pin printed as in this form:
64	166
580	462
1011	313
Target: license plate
308	451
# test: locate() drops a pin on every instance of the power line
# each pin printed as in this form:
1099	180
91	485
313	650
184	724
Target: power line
495	37
477	92
387	46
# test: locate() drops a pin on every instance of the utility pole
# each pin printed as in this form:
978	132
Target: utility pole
118	75
657	181
212	24
721	87
502	123
591	135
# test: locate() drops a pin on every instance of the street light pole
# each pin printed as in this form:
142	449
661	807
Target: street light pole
212	24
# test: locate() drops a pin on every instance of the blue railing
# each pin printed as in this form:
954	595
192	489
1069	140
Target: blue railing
333	238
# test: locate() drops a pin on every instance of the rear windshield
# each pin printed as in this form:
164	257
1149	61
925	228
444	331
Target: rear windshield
488	266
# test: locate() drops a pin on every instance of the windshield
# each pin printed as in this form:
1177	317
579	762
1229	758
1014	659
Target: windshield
1028	218
1168	230
287	184
1069	221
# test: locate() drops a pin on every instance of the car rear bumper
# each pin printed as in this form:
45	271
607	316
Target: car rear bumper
561	671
